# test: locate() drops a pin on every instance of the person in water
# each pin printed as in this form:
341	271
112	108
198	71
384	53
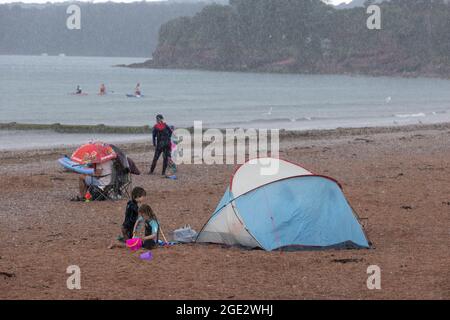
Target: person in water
161	141
102	89
78	90
137	90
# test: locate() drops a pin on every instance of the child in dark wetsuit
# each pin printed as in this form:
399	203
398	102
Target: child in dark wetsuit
131	215
148	219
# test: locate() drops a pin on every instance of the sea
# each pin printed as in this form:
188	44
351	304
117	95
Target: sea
39	90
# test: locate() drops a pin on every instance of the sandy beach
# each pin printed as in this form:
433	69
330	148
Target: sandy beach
397	179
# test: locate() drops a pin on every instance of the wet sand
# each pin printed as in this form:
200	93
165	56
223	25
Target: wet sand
398	180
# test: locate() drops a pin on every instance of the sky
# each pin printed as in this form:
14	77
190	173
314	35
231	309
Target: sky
44	1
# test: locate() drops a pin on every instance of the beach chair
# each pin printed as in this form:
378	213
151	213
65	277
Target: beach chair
122	181
119	188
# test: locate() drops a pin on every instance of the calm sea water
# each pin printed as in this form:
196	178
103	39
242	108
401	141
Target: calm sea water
37	89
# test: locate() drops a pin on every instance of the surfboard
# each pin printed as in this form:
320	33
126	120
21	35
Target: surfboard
134	96
76	167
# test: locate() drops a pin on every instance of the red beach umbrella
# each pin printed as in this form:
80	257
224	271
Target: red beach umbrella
94	152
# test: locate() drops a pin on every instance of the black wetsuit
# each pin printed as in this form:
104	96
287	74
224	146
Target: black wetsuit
150	244
131	215
161	140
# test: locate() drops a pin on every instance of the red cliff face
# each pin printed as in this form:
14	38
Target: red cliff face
386	61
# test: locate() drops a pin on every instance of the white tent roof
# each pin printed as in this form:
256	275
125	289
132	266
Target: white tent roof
259	172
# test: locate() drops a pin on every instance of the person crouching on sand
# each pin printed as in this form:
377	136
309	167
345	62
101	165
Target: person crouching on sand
148	219
132	212
131	216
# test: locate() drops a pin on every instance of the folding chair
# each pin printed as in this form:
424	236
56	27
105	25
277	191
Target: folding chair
122	181
119	187
101	193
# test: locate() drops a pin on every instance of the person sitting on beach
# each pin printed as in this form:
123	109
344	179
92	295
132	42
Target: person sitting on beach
148	219
161	141
101	178
102	89
138	195
131	213
137	90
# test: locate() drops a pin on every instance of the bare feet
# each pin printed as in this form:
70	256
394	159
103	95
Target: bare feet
114	245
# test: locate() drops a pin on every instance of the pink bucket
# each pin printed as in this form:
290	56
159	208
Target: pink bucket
134	244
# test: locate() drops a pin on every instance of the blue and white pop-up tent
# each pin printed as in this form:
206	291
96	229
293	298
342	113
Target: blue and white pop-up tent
273	204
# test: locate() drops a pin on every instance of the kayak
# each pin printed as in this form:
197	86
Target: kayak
134	96
78	94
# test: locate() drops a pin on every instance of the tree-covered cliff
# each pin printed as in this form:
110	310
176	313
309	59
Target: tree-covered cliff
309	36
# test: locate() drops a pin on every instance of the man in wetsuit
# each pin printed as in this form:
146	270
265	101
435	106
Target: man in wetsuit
161	141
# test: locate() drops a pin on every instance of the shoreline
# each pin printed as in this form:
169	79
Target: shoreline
75	128
285	135
268	69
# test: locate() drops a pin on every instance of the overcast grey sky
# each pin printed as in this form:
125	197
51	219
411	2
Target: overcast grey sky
44	1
